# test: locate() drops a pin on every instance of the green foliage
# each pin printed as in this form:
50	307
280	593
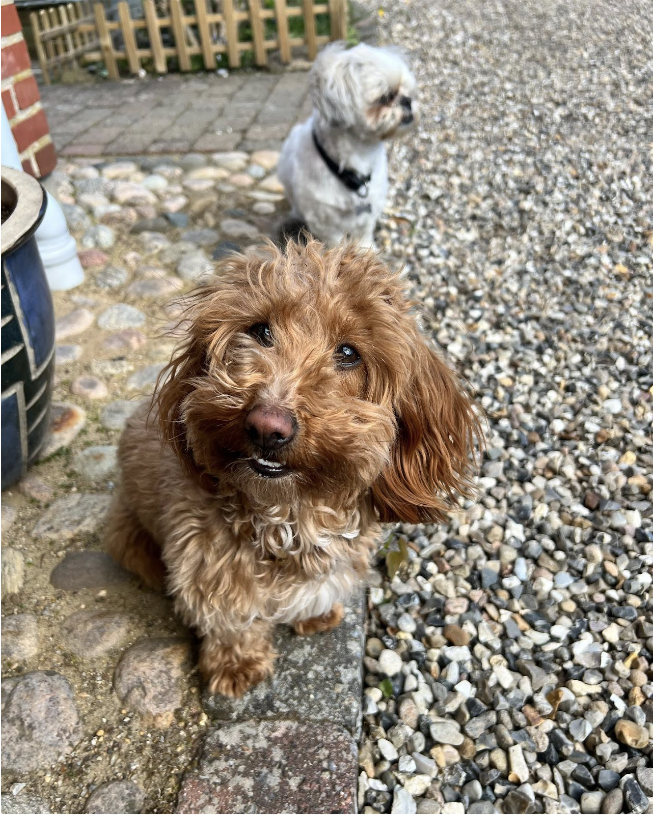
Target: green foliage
396	555
386	687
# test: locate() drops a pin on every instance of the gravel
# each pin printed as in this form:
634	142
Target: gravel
520	209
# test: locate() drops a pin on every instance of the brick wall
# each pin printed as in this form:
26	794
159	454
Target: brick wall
21	98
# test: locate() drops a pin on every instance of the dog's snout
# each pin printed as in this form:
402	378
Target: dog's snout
270	428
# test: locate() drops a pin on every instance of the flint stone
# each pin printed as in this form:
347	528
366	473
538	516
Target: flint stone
40	722
144	377
72	516
121	316
23	803
316	679
20	637
612	802
115	415
13	569
149	677
306	770
636	800
87	570
120	796
90	633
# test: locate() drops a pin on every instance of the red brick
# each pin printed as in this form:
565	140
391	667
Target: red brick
46	159
28	166
14	58
27	92
10	21
8	104
29	130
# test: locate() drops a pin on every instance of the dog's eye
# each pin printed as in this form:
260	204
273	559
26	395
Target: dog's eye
262	334
346	356
387	98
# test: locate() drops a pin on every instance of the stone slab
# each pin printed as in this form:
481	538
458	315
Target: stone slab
316	679
273	767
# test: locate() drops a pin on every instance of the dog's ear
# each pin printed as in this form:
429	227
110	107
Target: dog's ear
333	84
432	460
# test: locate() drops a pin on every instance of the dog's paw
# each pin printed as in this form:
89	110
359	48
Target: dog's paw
233	678
322	623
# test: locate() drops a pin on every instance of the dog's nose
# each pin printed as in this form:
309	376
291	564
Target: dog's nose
270	428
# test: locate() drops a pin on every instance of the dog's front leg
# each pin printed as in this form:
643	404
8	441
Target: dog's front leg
321	623
233	662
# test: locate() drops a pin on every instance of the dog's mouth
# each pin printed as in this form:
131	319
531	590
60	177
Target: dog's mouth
268	469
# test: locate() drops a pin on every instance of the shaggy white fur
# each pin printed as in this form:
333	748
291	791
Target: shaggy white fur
362	97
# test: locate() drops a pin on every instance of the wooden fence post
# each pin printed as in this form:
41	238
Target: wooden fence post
282	31
34	20
309	28
205	35
154	33
176	16
338	19
260	56
106	46
231	32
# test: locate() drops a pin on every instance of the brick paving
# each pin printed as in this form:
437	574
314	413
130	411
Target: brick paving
176	114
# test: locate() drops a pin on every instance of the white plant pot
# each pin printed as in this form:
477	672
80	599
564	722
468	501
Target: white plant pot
56	245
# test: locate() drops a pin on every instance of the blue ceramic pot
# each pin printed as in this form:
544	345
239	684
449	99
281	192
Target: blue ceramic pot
28	334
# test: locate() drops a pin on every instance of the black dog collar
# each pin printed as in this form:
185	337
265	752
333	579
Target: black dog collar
353	181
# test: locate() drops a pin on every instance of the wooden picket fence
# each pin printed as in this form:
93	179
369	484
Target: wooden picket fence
77	33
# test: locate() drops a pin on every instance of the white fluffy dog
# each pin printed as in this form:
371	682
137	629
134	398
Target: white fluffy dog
333	166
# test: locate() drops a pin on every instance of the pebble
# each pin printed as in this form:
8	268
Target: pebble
403	802
20	637
71	516
128	339
390	663
90	387
235	228
148	678
267	159
194	266
91	633
90	258
154	288
121	316
232	161
118	796
74	323
66	421
96	463
636	800
612	802
631	734
100	236
13	568
272	185
87	569
40	721
174	204
66	354
116	413
644	777
23	803
35	488
144	377
263	208
446	732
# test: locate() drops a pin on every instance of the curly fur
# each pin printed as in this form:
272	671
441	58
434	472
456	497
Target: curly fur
388	440
362	97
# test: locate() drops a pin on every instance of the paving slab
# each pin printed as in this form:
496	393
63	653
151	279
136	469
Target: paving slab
317	679
176	113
